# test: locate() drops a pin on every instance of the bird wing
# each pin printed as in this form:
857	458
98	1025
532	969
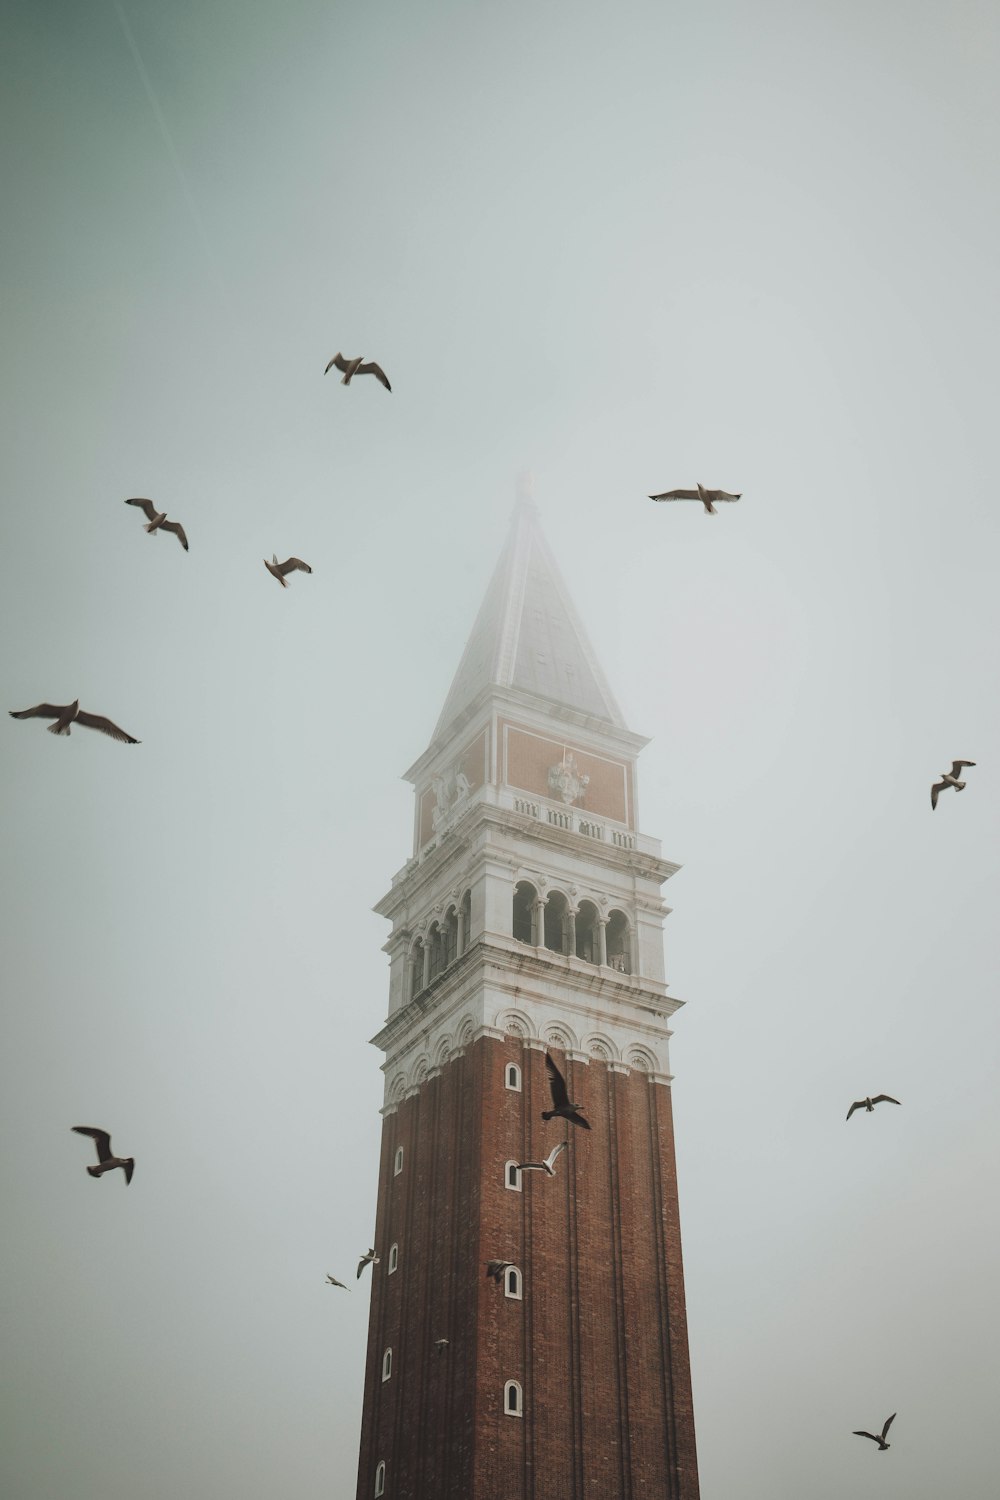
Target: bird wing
361	1265
858	1104
371	368
577	1119
101	1139
723	495
334	1282
292	565
888	1423
957	765
884	1099
858	1433
530	1166
677	495
145	505
178	531
128	1167
550	1160
557	1083
938	786
95	721
40	711
339	361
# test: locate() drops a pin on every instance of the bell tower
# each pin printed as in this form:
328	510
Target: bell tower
528	919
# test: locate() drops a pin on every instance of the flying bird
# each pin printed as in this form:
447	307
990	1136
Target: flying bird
290	565
882	1444
441	1345
950	778
548	1165
71	713
106	1161
561	1104
870	1103
370	1259
352	367
496	1268
708	498
158	520
332	1280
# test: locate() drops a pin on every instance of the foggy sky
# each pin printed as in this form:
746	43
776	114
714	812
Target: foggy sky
629	247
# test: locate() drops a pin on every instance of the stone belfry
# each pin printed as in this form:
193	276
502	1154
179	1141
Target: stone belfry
528	919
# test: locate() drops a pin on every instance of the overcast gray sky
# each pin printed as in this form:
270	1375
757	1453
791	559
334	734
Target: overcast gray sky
629	246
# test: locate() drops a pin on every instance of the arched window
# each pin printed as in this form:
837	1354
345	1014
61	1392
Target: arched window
512	1177
417	968
380	1479
619	943
398	1164
525	897
435	941
587	944
387	1364
393	1258
512	1283
450	936
556	923
513	1401
512	1077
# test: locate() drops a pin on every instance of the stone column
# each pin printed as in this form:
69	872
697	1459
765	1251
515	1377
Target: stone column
571	933
427	961
537	922
460	936
602	942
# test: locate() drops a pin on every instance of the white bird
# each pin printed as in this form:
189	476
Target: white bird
290	565
370	1259
352	367
441	1345
870	1103
882	1444
106	1161
548	1165
158	520
708	498
950	778
71	713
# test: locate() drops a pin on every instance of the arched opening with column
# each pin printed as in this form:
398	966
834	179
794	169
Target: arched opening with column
587	943
417	968
556	920
524	923
435	945
449	936
464	922
619	942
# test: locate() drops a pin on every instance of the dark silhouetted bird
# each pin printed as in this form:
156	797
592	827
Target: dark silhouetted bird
71	713
708	498
496	1268
370	1259
158	520
548	1165
352	367
561	1104
334	1282
290	565
106	1162
882	1444
950	778
870	1103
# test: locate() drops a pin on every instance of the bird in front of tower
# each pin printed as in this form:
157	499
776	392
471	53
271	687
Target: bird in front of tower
71	713
561	1103
870	1103
106	1159
158	520
496	1268
708	498
290	565
548	1165
370	1259
950	778
441	1345
875	1437
352	367
332	1281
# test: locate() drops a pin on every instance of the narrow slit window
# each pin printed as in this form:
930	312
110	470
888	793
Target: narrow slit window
393	1258
387	1364
512	1177
513	1401
512	1283
512	1077
380	1479
398	1167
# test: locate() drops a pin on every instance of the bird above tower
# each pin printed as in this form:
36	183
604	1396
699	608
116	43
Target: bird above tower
106	1160
158	520
870	1103
708	498
352	367
950	778
875	1437
72	713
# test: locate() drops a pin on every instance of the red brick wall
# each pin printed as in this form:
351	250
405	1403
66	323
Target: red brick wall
599	1341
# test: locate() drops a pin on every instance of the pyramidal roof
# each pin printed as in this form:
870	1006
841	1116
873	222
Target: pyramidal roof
528	636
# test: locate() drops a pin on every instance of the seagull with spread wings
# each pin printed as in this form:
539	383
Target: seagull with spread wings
352	367
332	1281
548	1165
496	1268
290	565
950	778
71	713
106	1160
882	1444
158	520
370	1259
561	1104
870	1103
708	498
